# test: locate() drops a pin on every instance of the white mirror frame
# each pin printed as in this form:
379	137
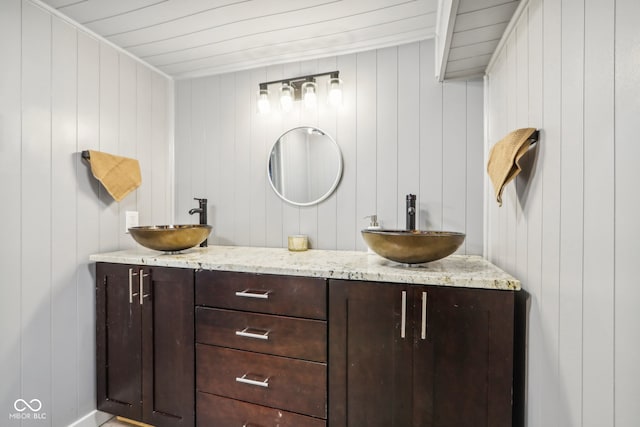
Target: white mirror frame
335	182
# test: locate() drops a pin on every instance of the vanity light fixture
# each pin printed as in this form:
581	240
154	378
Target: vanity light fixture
334	91
309	93
287	94
263	104
303	88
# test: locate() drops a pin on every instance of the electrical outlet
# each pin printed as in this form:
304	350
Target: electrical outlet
130	220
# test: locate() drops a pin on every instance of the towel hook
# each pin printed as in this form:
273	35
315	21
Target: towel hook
86	155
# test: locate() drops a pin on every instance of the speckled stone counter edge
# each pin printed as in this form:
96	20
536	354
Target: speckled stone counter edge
455	270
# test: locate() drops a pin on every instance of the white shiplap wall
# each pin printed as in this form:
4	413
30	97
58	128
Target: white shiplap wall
569	230
63	91
399	130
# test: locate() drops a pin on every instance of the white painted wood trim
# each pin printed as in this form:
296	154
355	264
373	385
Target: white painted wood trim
81	27
507	34
94	418
447	12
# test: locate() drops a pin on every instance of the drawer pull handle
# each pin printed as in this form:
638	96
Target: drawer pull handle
403	320
131	294
244	380
264	335
250	425
142	294
423	331
249	293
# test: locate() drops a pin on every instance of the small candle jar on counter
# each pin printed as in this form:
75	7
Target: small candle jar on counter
298	243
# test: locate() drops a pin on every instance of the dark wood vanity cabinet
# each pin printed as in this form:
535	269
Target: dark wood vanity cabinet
178	347
261	350
145	343
422	356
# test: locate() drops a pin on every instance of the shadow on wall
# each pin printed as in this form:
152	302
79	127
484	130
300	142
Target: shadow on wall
529	164
96	188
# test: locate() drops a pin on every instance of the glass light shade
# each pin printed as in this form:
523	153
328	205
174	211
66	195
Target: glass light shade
286	97
264	106
309	94
334	91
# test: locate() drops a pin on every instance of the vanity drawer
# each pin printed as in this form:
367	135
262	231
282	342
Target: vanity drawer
279	382
216	411
263	293
264	333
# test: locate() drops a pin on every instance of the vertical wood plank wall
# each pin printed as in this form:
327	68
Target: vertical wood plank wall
399	130
568	228
61	92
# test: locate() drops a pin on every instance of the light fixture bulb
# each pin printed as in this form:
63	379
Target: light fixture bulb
264	106
303	88
286	97
309	94
334	91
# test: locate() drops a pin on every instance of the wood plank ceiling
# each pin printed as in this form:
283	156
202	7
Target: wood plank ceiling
191	38
468	33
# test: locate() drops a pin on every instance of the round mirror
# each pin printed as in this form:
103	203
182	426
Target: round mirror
305	166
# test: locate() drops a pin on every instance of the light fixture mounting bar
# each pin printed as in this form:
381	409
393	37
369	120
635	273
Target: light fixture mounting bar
332	74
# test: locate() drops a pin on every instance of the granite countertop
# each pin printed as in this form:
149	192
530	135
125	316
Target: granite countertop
455	270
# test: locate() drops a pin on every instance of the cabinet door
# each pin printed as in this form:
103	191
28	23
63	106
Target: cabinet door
463	357
168	347
118	342
369	355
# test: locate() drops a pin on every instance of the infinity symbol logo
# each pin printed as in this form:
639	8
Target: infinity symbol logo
21	405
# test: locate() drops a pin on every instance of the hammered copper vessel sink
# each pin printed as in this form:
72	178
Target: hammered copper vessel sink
413	246
170	238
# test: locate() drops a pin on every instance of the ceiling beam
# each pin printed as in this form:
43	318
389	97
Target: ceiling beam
447	12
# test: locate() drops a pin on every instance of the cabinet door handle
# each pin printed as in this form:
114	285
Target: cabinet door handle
244	380
142	294
248	293
251	425
264	335
423	331
131	294
403	320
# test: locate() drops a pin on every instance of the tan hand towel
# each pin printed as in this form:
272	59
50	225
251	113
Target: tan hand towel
504	159
119	175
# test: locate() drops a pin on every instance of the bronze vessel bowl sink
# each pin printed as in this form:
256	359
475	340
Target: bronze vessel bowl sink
170	238
413	246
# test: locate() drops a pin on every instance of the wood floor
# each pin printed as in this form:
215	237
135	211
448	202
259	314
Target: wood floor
116	422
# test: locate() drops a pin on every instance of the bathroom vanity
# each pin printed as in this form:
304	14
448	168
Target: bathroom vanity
226	336
145	342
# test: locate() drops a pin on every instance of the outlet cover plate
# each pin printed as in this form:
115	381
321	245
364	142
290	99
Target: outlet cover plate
130	220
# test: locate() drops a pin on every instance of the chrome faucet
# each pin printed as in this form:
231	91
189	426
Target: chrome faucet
411	212
202	213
